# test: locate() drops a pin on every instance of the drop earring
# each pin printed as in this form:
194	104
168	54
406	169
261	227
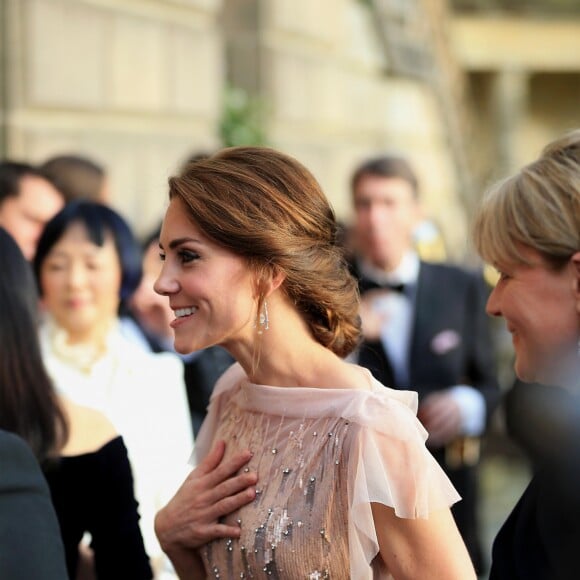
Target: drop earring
263	320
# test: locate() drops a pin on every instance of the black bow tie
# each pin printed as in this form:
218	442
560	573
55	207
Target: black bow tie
366	285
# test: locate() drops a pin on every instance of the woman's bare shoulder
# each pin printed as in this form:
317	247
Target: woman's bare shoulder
89	429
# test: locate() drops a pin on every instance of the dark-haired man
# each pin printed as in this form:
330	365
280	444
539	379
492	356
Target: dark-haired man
78	177
425	328
28	200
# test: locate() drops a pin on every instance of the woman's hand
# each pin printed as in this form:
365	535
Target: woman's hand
211	491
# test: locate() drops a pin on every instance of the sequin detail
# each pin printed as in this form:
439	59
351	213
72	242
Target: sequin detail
296	527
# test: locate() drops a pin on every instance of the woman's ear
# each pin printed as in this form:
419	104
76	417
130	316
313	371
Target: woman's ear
276	280
575	260
268	280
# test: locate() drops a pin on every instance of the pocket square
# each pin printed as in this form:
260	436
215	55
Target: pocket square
445	341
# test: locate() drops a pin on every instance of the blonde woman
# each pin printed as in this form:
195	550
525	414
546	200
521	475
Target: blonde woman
528	227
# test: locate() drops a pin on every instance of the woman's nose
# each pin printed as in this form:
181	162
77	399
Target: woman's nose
77	275
493	303
165	284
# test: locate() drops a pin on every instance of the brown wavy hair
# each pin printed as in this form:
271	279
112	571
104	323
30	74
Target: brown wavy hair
265	206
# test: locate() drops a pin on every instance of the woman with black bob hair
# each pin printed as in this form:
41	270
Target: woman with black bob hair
99	221
87	265
83	458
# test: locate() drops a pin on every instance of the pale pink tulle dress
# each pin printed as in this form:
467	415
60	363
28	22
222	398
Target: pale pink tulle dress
322	456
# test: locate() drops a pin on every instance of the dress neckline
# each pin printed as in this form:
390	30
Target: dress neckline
364	373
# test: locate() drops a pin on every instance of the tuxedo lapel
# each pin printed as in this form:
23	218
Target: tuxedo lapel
421	314
431	299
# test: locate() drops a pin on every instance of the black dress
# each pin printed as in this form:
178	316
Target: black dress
540	540
93	493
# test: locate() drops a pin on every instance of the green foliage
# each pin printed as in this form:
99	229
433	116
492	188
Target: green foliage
243	119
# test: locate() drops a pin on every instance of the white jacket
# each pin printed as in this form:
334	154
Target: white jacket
143	394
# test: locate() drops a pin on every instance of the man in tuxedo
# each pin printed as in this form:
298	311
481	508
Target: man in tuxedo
30	541
425	328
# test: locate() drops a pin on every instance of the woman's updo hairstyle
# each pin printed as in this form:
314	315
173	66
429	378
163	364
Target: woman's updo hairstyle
265	206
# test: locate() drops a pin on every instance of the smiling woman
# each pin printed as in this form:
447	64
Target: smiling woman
324	472
215	303
528	226
83	459
87	265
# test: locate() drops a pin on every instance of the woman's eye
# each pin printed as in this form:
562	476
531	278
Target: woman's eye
54	267
187	256
162	257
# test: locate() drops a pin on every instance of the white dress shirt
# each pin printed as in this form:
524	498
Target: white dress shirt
399	309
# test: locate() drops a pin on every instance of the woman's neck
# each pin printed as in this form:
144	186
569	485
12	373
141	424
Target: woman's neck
282	355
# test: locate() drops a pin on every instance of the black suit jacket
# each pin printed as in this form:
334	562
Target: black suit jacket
450	344
30	541
450	338
541	537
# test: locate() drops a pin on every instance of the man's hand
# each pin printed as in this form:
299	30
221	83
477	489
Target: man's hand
441	416
372	318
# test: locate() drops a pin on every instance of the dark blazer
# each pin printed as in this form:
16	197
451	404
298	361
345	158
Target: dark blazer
30	542
450	345
201	374
450	339
541	537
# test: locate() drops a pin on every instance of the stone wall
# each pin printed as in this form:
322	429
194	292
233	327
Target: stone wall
138	85
134	84
525	84
333	98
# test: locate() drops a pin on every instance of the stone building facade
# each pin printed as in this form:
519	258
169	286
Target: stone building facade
139	85
136	84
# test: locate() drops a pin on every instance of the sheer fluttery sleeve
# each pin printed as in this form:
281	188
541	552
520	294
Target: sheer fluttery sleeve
390	465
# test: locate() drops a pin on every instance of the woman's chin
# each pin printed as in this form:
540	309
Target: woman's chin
187	346
182	348
525	372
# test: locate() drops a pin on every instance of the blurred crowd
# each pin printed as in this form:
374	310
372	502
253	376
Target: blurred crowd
89	377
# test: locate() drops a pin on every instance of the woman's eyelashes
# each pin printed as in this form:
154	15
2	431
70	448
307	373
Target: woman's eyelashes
55	267
186	256
502	272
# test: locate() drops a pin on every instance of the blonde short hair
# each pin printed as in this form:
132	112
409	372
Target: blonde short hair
538	207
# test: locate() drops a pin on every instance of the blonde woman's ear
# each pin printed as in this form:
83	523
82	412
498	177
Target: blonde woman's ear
576	279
